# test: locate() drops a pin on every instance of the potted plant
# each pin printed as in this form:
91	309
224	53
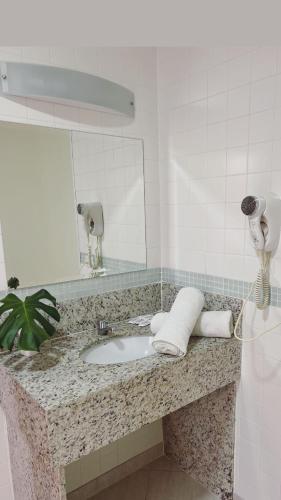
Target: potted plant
26	324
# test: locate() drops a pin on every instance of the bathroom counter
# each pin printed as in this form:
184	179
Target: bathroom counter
59	408
86	406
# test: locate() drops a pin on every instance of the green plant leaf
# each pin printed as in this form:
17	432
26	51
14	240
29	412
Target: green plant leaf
28	320
9	331
50	310
11	301
44	323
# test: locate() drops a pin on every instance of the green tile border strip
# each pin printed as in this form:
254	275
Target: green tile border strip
88	287
207	283
215	284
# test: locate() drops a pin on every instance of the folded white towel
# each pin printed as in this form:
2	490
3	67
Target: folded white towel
173	336
209	324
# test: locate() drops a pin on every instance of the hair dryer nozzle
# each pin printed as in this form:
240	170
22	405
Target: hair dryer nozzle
248	205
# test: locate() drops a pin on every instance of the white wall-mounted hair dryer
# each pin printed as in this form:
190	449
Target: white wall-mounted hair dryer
264	215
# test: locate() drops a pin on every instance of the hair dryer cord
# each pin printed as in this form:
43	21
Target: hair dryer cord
262	296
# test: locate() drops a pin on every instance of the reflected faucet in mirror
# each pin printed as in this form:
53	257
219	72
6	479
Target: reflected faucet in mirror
92	214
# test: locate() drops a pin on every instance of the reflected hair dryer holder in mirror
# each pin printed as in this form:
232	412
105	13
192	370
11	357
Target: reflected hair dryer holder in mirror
92	214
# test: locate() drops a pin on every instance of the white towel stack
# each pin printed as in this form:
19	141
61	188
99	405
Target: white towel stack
173	336
209	324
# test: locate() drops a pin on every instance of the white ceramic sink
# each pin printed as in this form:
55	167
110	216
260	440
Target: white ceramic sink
119	350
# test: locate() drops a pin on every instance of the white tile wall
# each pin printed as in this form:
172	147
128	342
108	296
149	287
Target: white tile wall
215	147
205	231
109	170
258	439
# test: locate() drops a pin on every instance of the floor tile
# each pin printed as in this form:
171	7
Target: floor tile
160	480
174	485
133	487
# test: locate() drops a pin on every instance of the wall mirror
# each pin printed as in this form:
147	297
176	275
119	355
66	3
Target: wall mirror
71	205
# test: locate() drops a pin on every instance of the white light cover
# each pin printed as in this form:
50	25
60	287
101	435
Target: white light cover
64	86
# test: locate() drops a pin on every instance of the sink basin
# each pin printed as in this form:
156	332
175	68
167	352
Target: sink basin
119	350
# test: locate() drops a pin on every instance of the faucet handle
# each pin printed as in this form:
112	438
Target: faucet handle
103	327
101	324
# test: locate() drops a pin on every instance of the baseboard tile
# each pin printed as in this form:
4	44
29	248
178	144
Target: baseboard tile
114	475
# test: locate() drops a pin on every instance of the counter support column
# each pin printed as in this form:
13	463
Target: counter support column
34	472
200	439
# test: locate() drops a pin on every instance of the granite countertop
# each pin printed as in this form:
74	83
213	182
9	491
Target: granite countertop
58	376
59	408
77	407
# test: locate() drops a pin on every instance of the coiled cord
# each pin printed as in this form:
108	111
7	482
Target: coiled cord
262	296
262	285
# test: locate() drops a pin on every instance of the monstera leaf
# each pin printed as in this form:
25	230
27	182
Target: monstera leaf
27	319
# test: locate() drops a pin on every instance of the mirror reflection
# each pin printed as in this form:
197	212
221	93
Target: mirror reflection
71	205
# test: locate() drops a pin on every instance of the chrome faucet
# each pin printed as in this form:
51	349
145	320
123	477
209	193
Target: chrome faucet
103	327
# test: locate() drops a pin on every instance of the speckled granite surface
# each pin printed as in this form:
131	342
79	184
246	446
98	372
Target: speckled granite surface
200	439
35	476
102	403
77	407
81	314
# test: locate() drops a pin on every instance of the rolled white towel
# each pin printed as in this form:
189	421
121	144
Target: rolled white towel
158	321
214	324
173	336
209	324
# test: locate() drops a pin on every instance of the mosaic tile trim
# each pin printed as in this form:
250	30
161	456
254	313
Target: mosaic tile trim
215	284
90	287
